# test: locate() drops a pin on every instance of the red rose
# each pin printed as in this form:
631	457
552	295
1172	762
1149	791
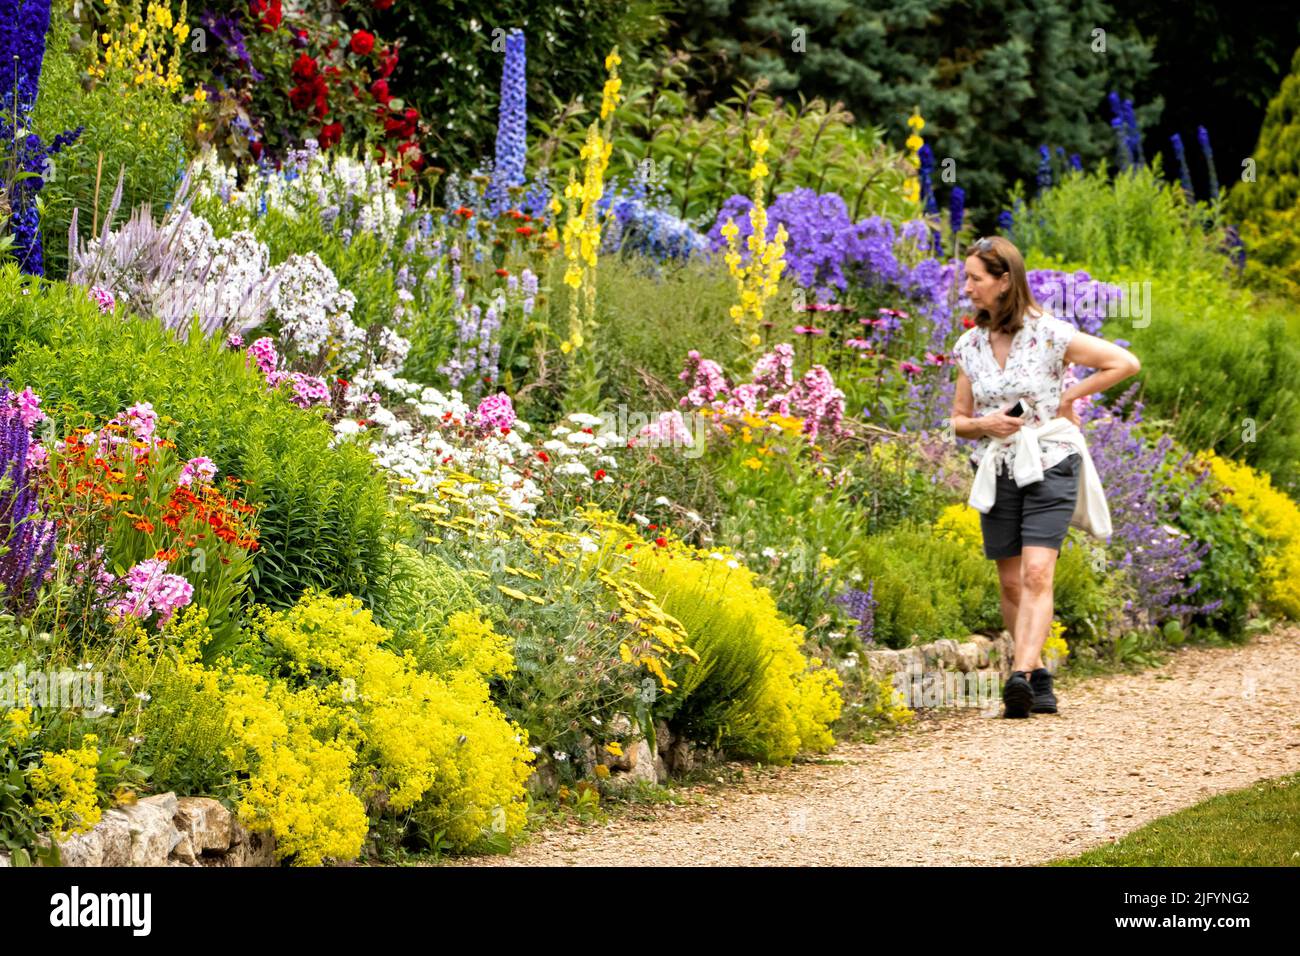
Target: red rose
267	12
379	90
362	43
330	135
387	63
304	68
300	97
382	4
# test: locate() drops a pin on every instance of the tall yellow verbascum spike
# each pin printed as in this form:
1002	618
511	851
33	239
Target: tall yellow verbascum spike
756	283
582	230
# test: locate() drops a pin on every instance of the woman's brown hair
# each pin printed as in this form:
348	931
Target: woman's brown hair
1001	257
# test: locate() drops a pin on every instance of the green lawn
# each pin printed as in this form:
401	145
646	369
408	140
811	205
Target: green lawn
1256	826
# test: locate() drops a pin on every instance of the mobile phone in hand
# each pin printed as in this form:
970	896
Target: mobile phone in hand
1017	410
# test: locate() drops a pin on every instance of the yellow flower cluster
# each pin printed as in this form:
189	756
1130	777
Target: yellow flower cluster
960	522
431	739
141	46
65	789
582	228
912	185
758	282
1273	516
777	703
1055	648
301	784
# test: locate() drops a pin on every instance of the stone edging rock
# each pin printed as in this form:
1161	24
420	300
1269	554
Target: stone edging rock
166	830
946	672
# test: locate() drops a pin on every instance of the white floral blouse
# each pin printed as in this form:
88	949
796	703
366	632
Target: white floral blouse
1034	372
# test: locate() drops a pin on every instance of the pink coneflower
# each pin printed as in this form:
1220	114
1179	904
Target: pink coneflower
808	330
932	359
857	343
909	368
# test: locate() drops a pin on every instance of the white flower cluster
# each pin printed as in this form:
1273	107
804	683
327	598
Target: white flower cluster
582	451
357	190
316	313
439	438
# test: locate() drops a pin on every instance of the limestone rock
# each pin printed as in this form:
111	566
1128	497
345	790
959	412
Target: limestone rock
205	823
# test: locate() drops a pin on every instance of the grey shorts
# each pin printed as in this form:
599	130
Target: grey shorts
1037	515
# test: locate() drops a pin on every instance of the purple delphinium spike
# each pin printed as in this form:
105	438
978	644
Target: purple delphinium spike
1184	174
26	534
1203	138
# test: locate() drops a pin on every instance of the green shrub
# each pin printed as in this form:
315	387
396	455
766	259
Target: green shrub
325	515
927	587
139	131
752	691
1221	368
1269	206
1134	222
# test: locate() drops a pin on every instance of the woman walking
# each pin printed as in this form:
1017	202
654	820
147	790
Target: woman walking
1011	367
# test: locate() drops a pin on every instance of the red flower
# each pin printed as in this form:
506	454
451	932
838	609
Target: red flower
379	90
543	456
661	542
967	322
628	546
387	63
382	4
330	135
654	527
462	211
362	42
301	97
525	231
600	474
267	12
304	68
503	272
255	147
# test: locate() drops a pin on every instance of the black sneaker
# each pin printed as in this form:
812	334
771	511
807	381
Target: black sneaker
1017	696
1044	700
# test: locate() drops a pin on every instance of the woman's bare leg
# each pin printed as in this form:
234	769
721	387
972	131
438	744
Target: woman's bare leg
1034	613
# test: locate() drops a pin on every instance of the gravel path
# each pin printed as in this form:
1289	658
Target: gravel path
962	789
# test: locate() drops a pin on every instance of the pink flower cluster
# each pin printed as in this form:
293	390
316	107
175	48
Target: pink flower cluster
772	388
308	390
103	298
495	412
668	429
28	405
151	590
202	468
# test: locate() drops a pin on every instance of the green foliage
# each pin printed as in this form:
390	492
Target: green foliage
566	48
702	155
1269	206
140	131
184	733
646	323
1220	369
927	587
324	518
1134	222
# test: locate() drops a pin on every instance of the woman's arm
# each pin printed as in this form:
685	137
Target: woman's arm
1112	363
965	426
